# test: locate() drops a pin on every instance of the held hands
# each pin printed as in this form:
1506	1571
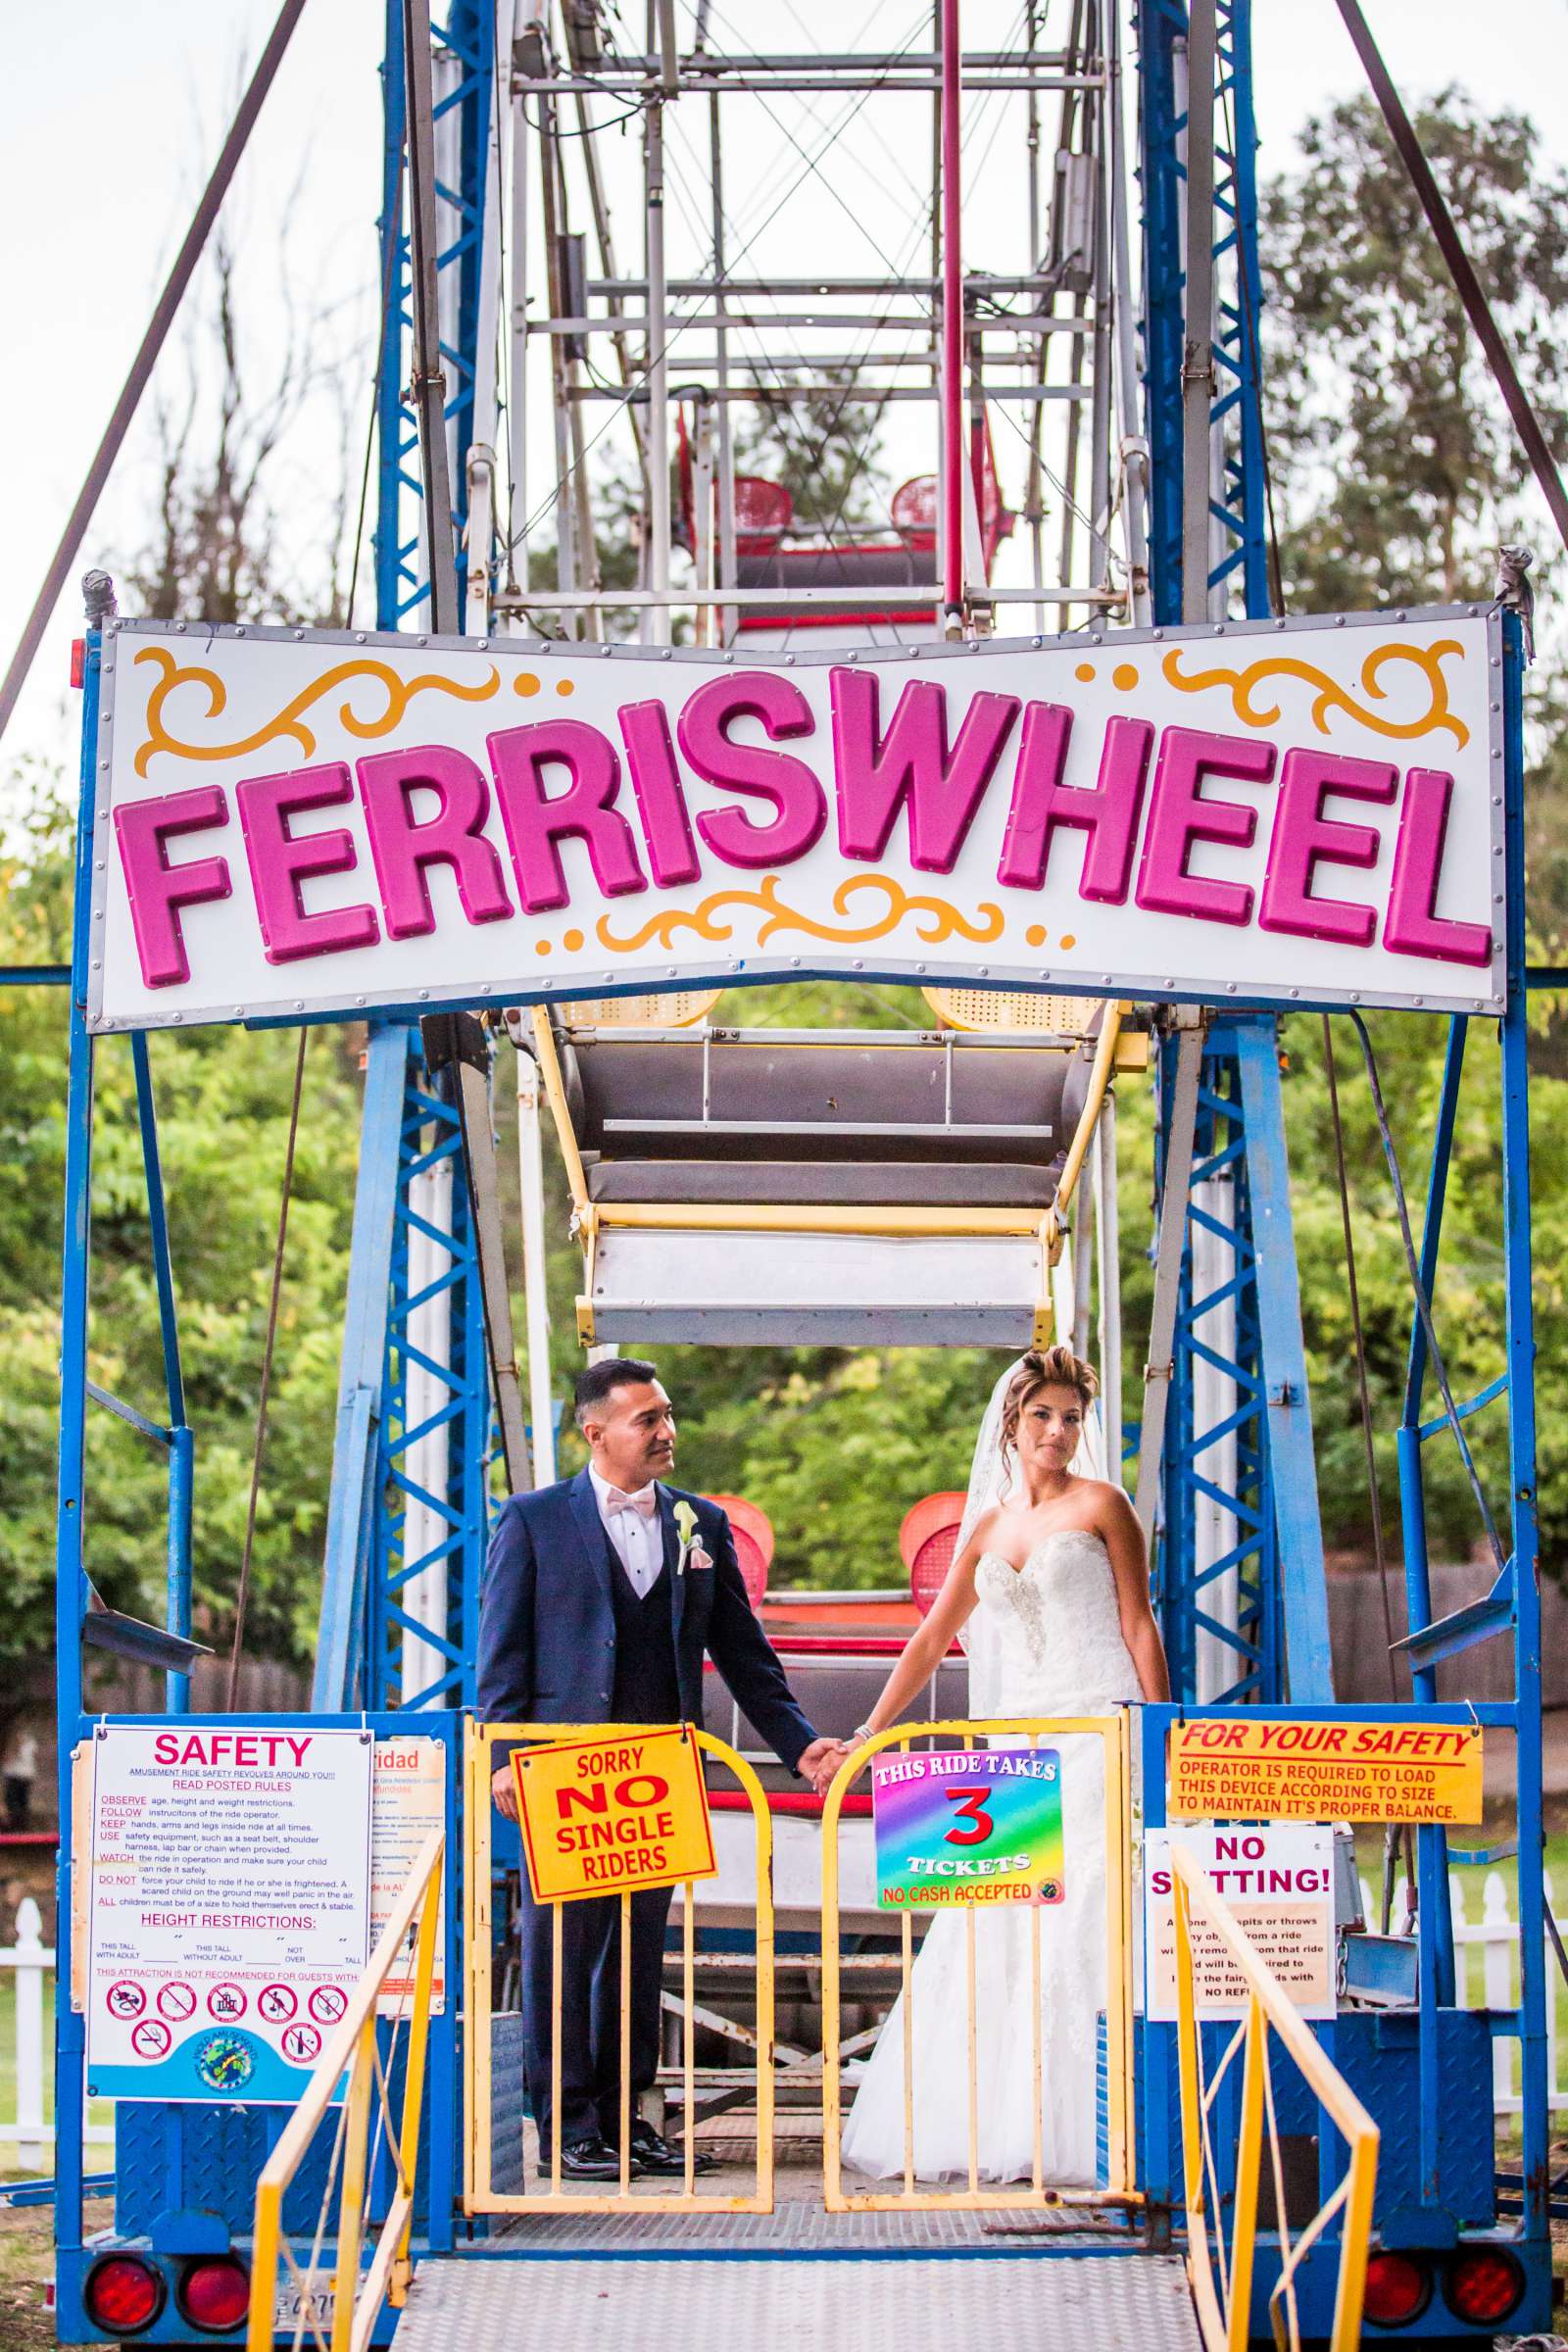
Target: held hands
820	1762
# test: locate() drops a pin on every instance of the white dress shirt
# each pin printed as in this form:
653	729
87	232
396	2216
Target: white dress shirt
638	1543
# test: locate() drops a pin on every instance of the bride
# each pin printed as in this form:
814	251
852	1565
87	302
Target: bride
1050	1592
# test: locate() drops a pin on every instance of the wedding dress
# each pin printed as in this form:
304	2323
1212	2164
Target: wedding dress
1043	1639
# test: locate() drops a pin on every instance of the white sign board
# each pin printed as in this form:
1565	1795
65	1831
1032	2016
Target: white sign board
411	1801
230	1905
301	821
1279	1881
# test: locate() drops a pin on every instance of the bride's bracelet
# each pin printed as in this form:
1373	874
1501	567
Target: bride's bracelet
862	1731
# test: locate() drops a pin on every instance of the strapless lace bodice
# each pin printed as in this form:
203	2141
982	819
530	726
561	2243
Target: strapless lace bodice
1053	1631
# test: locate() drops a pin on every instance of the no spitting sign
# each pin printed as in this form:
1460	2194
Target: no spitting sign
608	1815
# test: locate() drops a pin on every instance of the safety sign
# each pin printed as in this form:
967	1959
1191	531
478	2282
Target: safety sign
606	1815
1293	1769
1279	1884
411	1800
965	1828
228	1905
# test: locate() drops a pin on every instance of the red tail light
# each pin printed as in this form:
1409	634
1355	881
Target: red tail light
214	2293
1399	2288
1484	2286
123	2294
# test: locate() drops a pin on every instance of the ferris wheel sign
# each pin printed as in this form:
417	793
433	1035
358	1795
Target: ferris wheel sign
292	823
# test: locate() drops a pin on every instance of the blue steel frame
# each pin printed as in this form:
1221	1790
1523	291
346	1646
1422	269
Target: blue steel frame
430	1133
409	1122
1281	1637
407	1126
72	1589
469	37
1511	1608
1239	500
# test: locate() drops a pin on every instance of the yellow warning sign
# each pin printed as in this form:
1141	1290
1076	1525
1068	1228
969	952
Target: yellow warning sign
608	1815
1302	1771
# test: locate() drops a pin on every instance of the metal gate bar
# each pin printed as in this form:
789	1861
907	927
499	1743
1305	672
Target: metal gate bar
1119	2190
479	2193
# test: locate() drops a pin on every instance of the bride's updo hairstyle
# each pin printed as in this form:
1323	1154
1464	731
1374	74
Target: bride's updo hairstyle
1045	1368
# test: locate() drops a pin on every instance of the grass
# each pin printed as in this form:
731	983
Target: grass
26	2266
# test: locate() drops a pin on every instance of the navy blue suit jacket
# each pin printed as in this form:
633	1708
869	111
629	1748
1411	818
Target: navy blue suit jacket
547	1623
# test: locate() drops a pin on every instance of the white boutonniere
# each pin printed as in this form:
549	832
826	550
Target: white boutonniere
692	1554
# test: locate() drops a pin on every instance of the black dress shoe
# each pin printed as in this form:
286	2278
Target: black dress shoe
652	2153
588	2159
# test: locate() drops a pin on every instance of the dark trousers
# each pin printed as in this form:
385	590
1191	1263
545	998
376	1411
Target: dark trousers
590	2009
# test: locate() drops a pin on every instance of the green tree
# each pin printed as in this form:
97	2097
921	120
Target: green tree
1397	470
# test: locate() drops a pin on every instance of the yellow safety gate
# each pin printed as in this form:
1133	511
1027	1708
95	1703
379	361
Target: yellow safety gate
479	2193
1119	2188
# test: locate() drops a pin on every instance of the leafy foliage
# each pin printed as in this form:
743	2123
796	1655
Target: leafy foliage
1397	463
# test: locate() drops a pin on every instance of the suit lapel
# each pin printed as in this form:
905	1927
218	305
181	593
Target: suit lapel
678	1583
590	1528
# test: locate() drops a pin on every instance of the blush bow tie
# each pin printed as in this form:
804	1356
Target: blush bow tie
645	1502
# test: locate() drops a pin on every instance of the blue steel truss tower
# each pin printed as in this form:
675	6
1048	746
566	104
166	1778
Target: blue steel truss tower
408	1517
1240	1557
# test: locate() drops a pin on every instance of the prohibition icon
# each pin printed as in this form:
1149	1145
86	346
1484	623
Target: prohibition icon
125	1999
276	2003
301	2043
327	2004
150	2039
226	2002
177	2001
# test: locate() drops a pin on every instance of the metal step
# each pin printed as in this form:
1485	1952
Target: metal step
1068	2303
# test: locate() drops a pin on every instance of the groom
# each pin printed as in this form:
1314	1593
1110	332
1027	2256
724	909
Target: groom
594	1612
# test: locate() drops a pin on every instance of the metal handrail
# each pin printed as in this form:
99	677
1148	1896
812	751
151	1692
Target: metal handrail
1100	1078
356	2296
1224	2309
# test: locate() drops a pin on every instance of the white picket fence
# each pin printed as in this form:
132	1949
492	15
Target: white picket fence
30	1961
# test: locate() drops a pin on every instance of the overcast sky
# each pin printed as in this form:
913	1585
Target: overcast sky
110	113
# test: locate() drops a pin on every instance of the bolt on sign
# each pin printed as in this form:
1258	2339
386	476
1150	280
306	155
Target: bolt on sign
955	1827
605	1816
1263	1770
292	821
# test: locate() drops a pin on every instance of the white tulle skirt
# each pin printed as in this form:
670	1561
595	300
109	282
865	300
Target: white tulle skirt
1072	1979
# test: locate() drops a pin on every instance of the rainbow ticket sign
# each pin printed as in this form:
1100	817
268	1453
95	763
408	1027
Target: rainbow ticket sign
960	1826
608	1815
293	822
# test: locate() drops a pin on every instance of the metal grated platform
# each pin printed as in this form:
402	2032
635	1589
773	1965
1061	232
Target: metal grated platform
1072	2303
798	2225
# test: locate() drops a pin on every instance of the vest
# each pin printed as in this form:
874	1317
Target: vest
647	1686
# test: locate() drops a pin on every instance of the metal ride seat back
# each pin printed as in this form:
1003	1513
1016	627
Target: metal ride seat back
853	1186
